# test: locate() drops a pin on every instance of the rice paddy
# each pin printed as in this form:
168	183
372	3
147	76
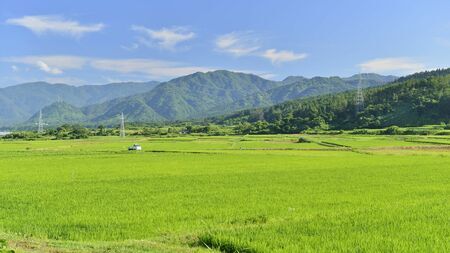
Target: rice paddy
342	193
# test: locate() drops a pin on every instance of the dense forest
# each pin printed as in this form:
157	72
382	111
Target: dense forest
418	99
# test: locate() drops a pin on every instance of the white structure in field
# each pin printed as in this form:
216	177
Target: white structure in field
135	147
122	126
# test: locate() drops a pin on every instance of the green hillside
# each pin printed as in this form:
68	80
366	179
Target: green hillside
213	93
419	99
296	87
188	96
18	103
59	113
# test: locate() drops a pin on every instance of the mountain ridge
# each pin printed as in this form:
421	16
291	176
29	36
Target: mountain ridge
418	99
19	102
201	95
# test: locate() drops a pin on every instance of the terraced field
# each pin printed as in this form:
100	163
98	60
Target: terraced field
232	194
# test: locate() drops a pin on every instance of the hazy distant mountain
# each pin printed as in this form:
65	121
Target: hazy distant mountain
204	94
20	102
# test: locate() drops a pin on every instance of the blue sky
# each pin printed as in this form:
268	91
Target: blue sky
95	42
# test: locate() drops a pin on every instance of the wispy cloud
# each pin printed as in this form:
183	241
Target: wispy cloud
153	68
14	68
237	43
392	65
44	67
248	44
280	56
165	38
53	64
138	68
55	24
158	69
66	80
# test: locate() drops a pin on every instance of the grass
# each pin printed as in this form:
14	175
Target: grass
230	194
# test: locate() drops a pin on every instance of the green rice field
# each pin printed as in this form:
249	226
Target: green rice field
268	193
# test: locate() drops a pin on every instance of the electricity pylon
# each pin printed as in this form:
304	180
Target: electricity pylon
40	123
122	126
359	99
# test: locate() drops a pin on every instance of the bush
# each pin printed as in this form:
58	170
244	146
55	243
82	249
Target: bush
21	136
303	140
67	131
392	130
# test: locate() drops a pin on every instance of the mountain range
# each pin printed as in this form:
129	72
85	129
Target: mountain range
18	103
202	95
418	99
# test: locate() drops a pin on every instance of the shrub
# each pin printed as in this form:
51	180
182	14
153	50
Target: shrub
21	136
303	140
392	130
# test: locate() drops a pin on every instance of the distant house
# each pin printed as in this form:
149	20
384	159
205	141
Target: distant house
135	147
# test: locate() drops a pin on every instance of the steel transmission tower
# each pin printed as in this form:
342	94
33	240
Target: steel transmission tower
122	126
359	99
40	123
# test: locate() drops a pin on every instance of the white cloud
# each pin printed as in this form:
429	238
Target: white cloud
280	56
55	24
57	64
53	64
154	68
247	44
44	67
237	43
136	68
66	80
165	38
392	65
14	68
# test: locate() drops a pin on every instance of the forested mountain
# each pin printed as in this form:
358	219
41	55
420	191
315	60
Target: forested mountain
295	87
213	93
419	99
20	102
60	113
181	98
